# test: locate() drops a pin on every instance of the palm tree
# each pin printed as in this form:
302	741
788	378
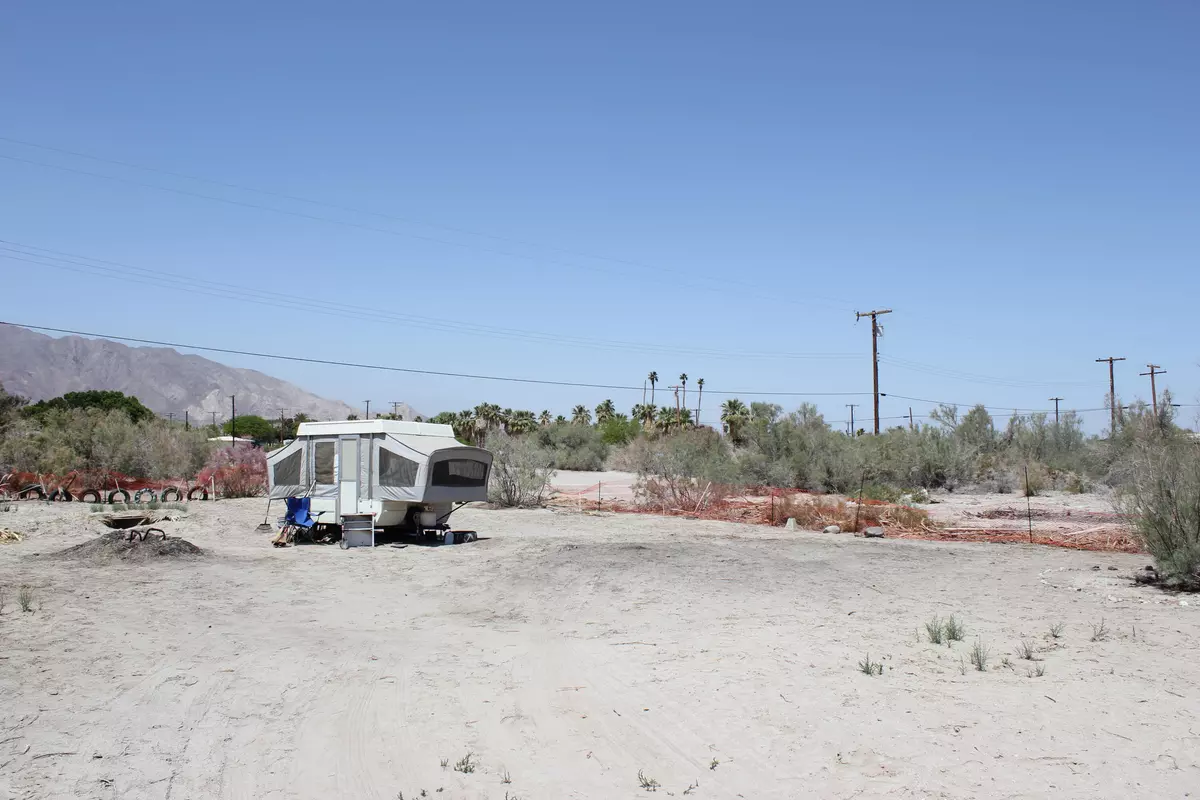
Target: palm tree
605	411
522	422
643	413
545	419
581	416
683	385
560	419
665	419
699	398
653	376
685	418
734	415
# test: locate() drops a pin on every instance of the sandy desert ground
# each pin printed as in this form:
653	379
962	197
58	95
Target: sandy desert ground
570	651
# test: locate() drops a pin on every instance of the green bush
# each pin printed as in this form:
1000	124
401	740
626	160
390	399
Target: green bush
573	446
1163	498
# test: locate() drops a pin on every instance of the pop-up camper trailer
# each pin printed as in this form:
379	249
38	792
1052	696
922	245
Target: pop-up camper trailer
405	474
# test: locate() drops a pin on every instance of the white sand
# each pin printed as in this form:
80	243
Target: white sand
574	651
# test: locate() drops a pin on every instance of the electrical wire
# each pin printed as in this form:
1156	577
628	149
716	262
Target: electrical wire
723	290
408	370
162	279
381	215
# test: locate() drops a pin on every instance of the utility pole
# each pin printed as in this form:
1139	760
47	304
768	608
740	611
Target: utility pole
281	411
1154	370
1112	391
170	416
678	412
910	419
233	420
852	429
187	423
214	422
875	329
396	409
368	409
1056	401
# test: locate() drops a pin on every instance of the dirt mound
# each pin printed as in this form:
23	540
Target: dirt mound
118	546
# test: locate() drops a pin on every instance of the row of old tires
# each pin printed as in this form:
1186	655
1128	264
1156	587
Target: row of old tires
169	495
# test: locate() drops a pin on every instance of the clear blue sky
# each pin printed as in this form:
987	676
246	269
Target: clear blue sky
717	186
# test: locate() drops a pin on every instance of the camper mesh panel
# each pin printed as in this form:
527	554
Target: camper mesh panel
460	472
396	470
287	471
323	463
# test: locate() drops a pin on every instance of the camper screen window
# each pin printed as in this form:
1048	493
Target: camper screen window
323	463
287	471
459	472
396	470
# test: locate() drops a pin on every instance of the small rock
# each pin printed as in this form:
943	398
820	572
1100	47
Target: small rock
873	533
1183	602
832	529
1112	569
1150	568
1096	568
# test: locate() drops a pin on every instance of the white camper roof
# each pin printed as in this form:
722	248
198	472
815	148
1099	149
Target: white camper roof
352	427
421	437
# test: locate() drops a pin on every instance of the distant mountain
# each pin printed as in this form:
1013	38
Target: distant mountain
39	367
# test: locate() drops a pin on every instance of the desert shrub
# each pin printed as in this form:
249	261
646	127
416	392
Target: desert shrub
688	469
521	471
575	447
92	440
238	471
1033	478
1163	499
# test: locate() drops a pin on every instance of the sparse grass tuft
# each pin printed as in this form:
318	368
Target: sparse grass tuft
955	631
962	666
979	656
1026	650
3	597
445	762
1056	630
25	598
1006	662
649	784
869	667
714	764
1038	671
1100	632
465	765
505	777
936	630
692	787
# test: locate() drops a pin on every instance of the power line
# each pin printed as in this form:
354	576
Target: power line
408	370
368	212
724	290
82	264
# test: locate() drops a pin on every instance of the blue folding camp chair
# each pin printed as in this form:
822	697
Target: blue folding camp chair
298	521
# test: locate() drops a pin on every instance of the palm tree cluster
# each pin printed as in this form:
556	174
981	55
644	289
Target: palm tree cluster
476	424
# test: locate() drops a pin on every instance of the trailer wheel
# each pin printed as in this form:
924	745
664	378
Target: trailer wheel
144	493
198	493
171	494
118	493
62	495
36	492
90	496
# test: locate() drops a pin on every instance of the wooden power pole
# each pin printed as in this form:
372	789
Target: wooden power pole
1154	370
910	419
1112	391
874	315
395	409
233	420
1056	402
368	409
